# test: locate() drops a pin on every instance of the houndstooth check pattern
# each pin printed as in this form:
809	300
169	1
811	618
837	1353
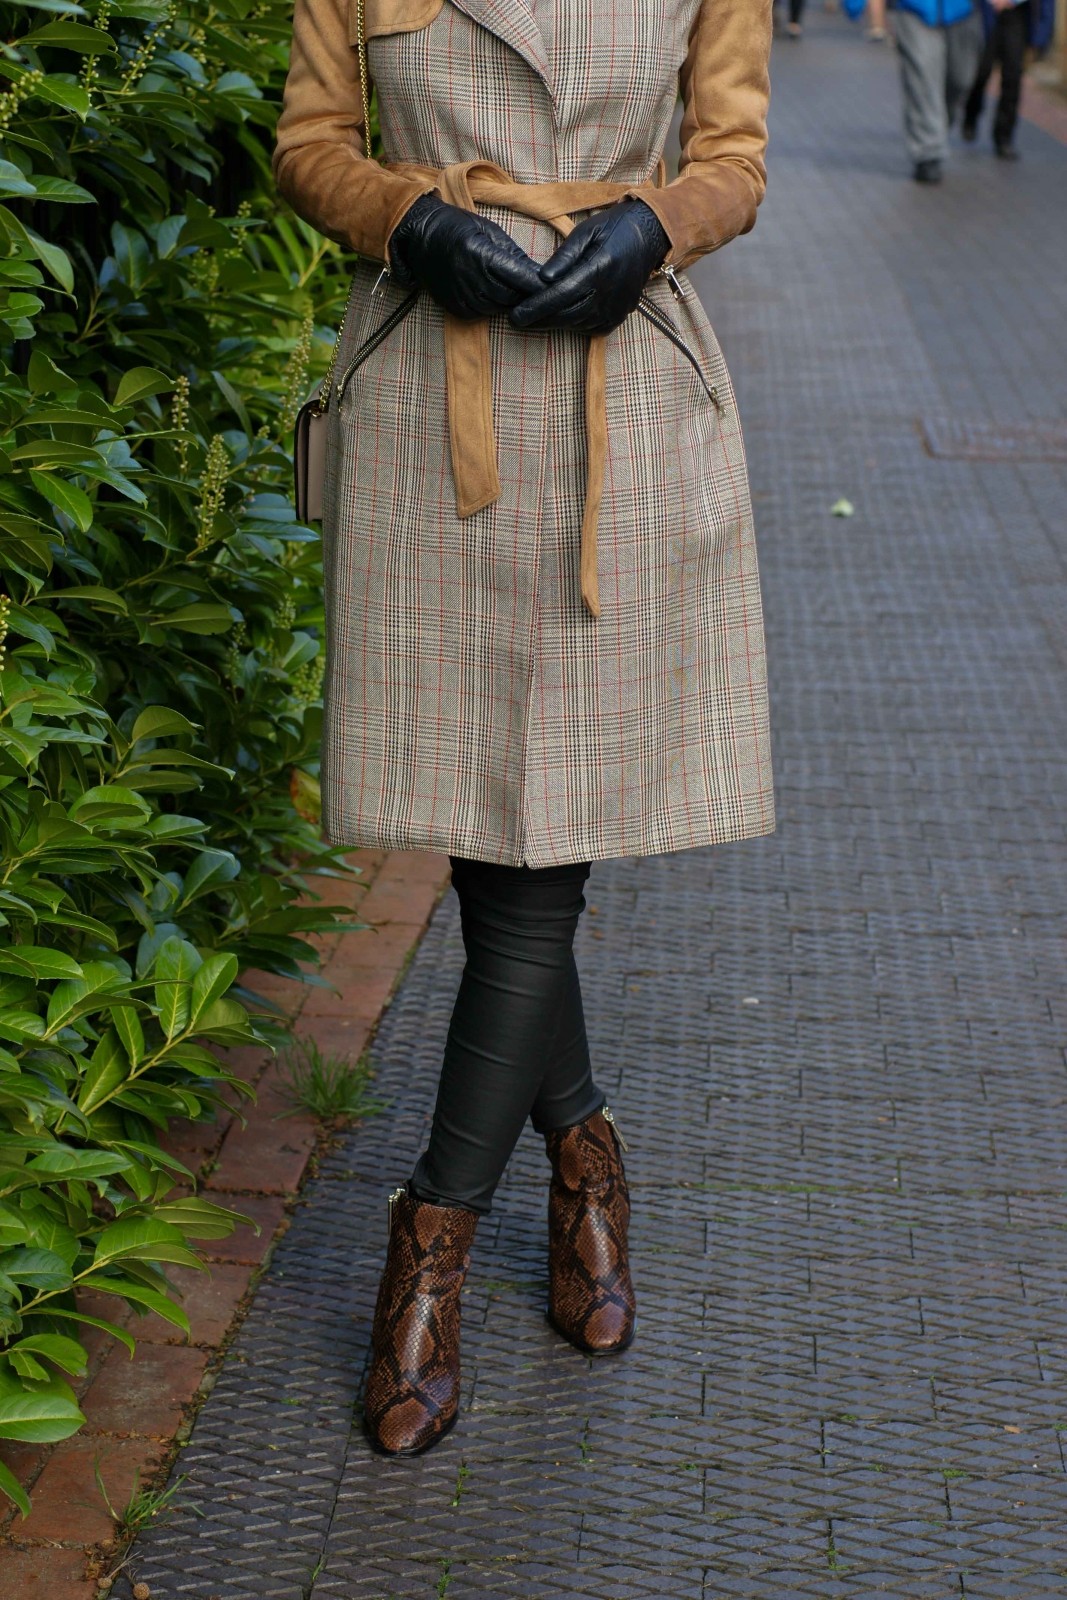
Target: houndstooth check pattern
472	705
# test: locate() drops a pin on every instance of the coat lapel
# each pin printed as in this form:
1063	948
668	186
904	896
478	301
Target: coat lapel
515	23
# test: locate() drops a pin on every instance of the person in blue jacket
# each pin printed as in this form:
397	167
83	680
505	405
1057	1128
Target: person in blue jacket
939	43
1010	26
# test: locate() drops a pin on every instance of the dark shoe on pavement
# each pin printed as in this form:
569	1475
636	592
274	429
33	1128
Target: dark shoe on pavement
590	1294
928	172
1006	152
412	1393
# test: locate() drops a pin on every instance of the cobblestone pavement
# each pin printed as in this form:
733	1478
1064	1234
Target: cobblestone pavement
838	1053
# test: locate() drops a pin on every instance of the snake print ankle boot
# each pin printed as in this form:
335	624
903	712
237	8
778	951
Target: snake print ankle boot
412	1392
590	1295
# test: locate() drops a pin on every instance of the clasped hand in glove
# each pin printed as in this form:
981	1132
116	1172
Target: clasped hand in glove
469	265
472	268
596	277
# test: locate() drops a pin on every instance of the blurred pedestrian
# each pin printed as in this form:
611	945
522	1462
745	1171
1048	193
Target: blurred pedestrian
794	27
876	30
1011	26
940	45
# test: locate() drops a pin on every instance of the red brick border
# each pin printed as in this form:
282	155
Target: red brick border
137	1412
1045	109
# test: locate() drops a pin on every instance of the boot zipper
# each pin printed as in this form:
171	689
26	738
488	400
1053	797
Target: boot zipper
609	1118
648	308
396	1195
368	347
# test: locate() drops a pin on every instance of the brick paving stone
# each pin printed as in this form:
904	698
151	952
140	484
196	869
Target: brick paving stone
344	1036
44	1573
145	1395
209	1299
396	896
68	1504
838	1054
268	1153
267	1212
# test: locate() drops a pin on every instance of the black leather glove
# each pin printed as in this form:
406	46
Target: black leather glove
469	265
596	277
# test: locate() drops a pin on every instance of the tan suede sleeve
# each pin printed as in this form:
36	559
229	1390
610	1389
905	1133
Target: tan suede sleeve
725	87
320	165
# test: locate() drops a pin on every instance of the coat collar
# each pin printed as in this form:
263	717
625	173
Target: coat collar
515	23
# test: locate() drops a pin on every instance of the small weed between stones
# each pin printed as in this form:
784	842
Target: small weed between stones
831	1550
143	1506
332	1088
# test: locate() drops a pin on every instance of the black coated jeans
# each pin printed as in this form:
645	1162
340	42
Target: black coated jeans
516	1044
1006	47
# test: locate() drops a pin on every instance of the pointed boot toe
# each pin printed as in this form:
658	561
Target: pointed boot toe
412	1393
591	1295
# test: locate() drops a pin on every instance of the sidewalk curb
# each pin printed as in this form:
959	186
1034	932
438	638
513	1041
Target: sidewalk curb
139	1415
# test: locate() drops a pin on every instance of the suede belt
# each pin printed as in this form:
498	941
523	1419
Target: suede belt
468	372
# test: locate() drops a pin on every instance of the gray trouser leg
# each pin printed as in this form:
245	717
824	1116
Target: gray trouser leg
963	52
923	56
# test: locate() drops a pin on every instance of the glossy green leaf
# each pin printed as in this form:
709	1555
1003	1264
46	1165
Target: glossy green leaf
127	1025
143	1239
66	497
203	617
160	722
39	1416
107	1069
64	1161
201	1219
138	1294
140	383
56	1347
173	970
72	36
11	1486
37	1269
208	870
88	1321
47	1232
38	961
211	981
78	995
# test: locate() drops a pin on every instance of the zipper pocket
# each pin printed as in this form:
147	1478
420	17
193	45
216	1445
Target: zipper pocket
659	319
368	347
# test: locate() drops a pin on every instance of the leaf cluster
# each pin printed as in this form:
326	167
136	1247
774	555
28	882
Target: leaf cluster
160	640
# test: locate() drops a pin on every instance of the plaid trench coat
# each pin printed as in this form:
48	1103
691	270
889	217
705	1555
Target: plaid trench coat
472	703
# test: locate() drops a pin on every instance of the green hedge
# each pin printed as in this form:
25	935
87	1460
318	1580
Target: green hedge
160	626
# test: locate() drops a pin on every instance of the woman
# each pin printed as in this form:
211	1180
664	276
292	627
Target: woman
545	642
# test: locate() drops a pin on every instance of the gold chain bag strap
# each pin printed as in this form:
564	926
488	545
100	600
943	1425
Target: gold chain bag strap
309	440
